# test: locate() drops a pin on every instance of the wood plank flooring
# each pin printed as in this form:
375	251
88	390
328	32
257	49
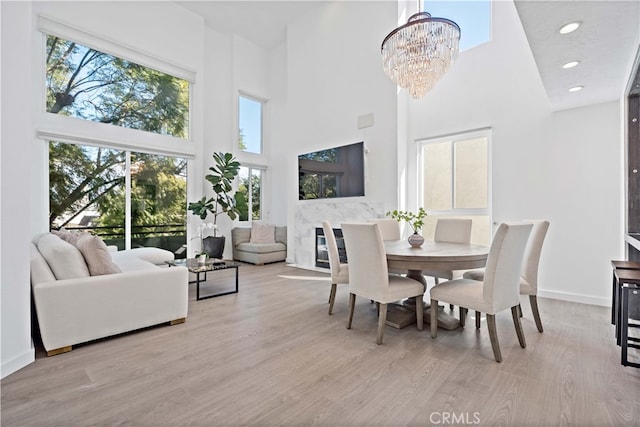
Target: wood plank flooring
271	356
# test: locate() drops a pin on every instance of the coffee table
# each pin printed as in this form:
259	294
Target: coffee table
196	268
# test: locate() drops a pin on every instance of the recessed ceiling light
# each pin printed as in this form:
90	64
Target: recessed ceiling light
575	88
570	27
571	64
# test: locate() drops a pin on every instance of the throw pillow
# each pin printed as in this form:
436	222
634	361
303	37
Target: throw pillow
68	236
97	256
262	233
64	259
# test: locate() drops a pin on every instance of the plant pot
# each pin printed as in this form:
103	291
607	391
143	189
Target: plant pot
202	259
416	240
213	246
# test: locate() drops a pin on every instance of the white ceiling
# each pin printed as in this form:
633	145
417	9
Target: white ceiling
605	44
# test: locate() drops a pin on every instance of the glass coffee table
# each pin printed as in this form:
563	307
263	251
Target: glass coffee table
211	265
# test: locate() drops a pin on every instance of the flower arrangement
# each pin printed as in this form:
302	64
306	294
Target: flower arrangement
202	228
415	220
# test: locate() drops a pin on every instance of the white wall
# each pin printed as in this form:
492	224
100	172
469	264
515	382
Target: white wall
134	25
15	176
562	166
333	75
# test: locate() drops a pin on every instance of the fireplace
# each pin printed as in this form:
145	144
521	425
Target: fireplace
322	253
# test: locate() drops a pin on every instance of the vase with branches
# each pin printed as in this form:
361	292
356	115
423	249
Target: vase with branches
415	221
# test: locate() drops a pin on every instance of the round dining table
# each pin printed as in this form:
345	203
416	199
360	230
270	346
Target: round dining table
431	257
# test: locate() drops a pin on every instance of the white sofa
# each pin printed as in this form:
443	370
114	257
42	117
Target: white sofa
73	306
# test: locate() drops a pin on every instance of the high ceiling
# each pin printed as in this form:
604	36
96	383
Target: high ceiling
605	44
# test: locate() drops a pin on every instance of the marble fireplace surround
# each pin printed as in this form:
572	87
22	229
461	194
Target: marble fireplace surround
309	215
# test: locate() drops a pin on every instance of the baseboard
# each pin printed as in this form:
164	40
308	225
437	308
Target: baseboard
18	362
582	299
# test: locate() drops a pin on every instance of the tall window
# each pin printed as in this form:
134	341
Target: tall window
473	17
455	181
249	195
250	111
118	195
92	85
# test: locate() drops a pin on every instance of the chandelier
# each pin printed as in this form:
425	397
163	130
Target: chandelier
416	54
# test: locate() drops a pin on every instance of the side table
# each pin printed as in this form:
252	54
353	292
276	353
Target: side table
211	265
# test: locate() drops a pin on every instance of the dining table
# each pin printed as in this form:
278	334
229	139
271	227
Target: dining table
429	257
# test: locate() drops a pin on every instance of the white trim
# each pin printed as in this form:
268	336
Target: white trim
57	28
577	298
18	362
164	147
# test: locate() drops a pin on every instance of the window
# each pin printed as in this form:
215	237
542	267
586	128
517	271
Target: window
92	187
250	124
473	17
88	84
455	181
249	195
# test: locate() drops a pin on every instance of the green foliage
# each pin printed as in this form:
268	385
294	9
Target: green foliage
415	220
223	173
91	85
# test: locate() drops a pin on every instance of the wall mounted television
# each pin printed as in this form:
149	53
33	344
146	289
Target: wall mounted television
334	172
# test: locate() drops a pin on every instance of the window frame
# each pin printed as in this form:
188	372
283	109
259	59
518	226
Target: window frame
453	138
263	104
262	170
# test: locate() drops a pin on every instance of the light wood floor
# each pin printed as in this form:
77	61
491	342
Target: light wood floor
271	356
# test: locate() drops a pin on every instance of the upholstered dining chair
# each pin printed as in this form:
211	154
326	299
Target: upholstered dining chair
454	231
339	272
529	274
369	277
498	291
389	227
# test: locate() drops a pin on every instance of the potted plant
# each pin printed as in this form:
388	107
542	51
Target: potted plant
223	173
415	221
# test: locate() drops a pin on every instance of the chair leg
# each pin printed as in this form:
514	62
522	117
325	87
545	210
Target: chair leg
461	309
382	320
478	315
536	314
332	297
518	325
352	306
519	310
434	318
493	335
419	313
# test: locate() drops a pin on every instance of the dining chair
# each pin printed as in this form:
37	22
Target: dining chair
389	227
370	278
529	274
499	289
454	231
339	272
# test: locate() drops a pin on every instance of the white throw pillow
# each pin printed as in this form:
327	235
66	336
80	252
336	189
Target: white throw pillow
96	255
262	233
64	259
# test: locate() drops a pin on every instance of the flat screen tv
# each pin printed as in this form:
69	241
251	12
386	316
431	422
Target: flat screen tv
334	172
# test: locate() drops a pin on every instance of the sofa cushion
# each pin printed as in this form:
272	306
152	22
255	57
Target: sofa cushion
68	236
262	233
155	256
261	248
96	255
64	259
281	234
40	271
130	263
